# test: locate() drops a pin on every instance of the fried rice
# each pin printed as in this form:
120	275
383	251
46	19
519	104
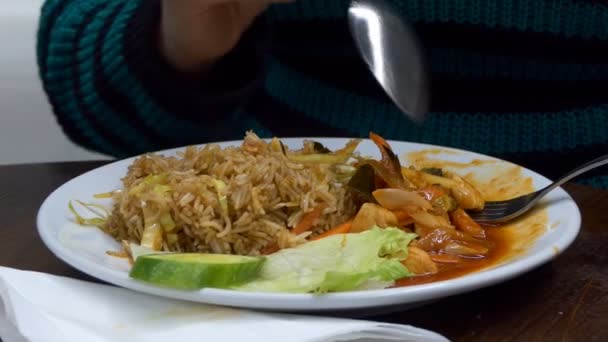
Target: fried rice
236	200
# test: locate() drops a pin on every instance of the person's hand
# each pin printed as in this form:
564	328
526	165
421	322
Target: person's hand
196	33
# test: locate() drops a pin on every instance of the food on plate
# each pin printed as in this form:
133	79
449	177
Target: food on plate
263	217
190	271
371	259
238	200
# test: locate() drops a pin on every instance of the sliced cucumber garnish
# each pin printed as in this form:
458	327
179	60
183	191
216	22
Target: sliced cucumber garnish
191	271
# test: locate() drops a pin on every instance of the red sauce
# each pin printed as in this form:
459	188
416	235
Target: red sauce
497	181
500	241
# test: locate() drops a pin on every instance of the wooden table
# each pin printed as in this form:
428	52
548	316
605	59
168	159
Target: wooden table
565	300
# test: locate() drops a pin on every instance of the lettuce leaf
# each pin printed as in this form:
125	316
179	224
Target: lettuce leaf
341	262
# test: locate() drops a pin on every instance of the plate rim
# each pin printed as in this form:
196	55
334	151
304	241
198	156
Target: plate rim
312	302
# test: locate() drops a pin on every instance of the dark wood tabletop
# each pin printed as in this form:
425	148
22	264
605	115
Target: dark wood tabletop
564	300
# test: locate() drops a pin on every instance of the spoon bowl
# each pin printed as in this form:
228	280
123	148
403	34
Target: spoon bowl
391	51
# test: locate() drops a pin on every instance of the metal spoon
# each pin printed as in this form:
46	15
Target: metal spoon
389	47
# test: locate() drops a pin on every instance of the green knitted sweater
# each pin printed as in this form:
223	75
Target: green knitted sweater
521	80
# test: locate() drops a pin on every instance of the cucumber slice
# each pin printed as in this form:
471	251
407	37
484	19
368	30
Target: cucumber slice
191	271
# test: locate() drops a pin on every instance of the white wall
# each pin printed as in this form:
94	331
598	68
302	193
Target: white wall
28	130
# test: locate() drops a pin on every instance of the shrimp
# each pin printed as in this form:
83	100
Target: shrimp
465	194
449	240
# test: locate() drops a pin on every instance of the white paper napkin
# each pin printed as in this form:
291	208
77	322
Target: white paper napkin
40	307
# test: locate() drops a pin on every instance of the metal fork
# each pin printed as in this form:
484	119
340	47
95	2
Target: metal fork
501	211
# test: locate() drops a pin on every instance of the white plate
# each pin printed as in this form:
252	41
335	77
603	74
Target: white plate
85	248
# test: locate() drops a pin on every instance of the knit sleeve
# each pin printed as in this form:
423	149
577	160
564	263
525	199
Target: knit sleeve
112	92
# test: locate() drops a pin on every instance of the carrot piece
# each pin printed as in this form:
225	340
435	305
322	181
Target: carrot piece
403	218
401	214
465	223
432	192
339	229
308	220
270	249
305	224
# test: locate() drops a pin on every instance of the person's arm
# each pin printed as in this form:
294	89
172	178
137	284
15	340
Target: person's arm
120	85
